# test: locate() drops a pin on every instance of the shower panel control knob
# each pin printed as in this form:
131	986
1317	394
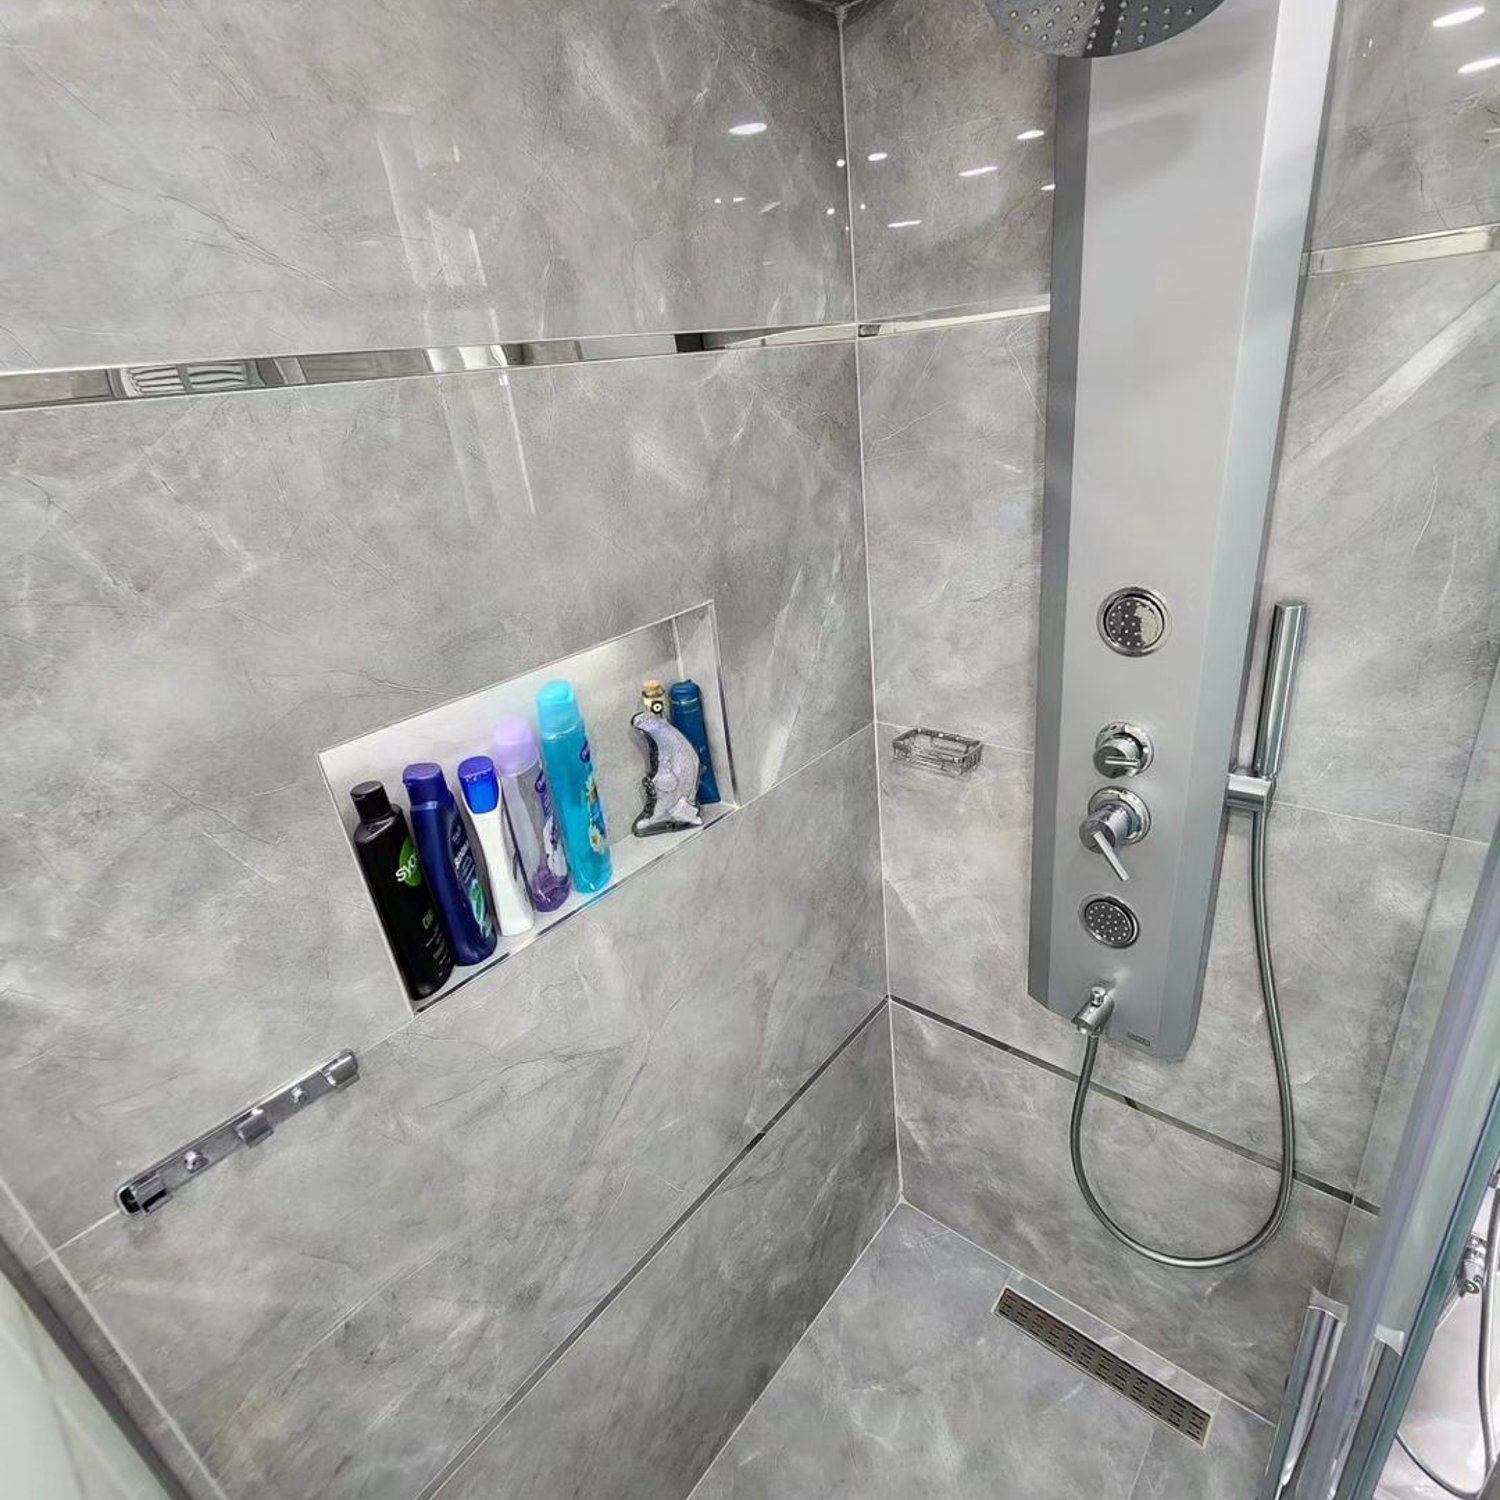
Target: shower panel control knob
1116	818
1122	750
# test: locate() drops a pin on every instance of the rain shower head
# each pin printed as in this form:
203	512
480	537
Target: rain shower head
1097	28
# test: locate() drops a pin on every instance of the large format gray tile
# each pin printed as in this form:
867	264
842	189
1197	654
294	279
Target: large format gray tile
953	481
1410	144
1385	522
1457	882
196	181
336	1314
984	1147
200	595
935	92
1229	1468
908	1384
1348	904
637	1407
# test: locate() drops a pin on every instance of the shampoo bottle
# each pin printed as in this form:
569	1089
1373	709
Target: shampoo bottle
481	789
575	789
687	715
448	862
527	800
394	874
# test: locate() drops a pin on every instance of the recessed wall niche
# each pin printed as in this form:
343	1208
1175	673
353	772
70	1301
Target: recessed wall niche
607	680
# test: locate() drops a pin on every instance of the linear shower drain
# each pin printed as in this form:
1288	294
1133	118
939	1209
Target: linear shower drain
1093	1359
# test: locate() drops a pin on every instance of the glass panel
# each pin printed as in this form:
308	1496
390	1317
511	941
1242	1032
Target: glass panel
56	1441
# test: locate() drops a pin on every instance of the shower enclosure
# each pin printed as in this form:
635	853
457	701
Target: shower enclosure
1057	444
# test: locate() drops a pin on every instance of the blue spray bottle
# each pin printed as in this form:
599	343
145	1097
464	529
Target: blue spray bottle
575	790
449	864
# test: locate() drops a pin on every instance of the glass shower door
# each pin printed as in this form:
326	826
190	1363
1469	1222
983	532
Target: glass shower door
1434	1192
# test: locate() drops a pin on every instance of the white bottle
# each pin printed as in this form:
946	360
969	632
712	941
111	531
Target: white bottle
481	789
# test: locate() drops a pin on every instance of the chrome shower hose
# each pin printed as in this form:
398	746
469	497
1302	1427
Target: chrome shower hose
1283	1092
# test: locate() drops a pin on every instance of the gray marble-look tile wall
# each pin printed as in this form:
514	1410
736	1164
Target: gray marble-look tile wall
1410	144
1380	523
1349	901
950	153
338	1314
953	497
201	595
1385	521
188	181
984	1148
908	1384
638	1406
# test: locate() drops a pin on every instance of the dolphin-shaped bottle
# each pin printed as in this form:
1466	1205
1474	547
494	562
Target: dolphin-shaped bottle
671	785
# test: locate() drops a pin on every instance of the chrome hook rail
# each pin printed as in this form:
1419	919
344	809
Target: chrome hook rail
147	1191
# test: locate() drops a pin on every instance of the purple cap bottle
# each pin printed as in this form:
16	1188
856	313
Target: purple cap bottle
527	801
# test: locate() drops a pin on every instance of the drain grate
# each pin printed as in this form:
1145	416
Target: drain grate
1093	1359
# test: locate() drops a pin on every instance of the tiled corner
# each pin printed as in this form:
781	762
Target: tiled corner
638	1406
984	1148
419	1242
908	1384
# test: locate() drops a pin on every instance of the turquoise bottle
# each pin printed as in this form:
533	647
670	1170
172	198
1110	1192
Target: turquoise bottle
575	788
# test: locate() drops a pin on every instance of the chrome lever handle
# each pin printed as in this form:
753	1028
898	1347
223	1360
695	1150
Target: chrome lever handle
1103	844
1115	818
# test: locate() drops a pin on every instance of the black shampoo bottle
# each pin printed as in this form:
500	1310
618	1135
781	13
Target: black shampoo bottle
388	858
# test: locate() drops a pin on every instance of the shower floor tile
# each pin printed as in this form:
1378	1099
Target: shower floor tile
908	1385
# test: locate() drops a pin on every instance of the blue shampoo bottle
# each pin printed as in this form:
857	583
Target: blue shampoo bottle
686	707
575	789
449	864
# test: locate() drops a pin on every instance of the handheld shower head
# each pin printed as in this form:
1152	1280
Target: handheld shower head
1288	621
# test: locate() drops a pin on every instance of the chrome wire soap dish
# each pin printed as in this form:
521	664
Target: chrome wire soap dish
937	750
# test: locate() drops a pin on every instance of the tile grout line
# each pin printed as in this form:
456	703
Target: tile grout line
864	507
812	1323
1315	1184
544	1367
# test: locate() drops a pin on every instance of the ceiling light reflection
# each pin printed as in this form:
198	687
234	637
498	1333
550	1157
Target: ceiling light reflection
1458	17
1049	187
877	156
748	127
903	223
979	171
1031	135
1480	65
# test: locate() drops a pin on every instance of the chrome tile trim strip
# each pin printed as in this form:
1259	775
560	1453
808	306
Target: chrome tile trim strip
24	389
1477	240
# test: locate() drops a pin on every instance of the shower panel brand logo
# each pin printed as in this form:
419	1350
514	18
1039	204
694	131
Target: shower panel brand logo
408	871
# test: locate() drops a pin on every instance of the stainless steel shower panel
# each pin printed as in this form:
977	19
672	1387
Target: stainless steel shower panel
1184	180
